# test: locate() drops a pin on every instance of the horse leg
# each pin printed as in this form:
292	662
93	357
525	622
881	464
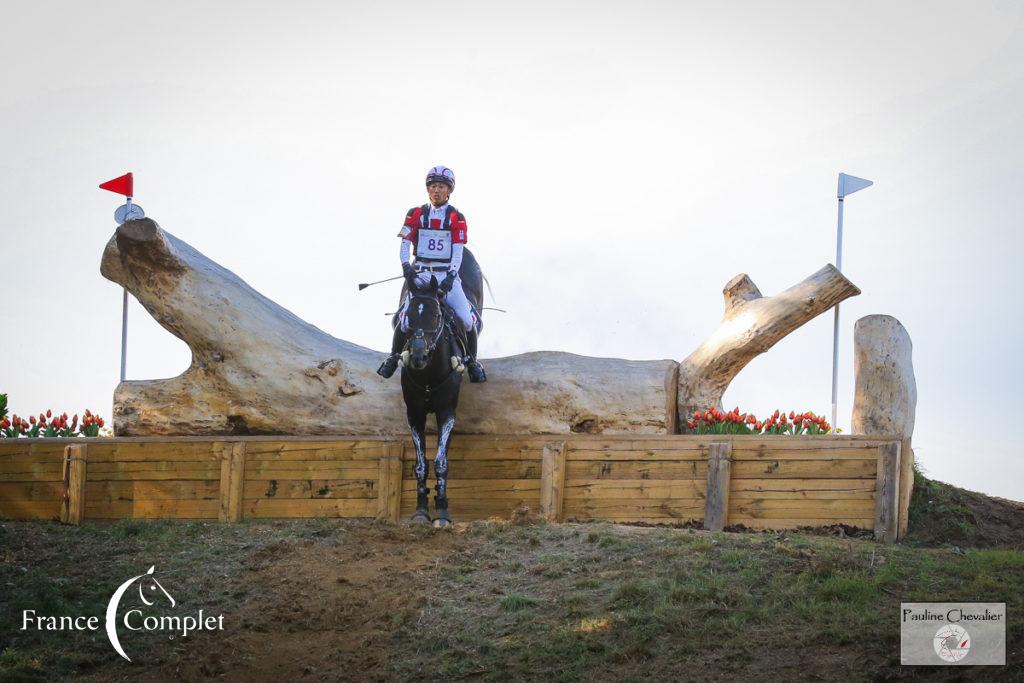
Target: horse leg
417	425
445	423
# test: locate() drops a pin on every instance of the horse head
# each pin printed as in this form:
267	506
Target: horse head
426	322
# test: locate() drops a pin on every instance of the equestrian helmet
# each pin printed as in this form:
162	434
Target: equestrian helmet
442	174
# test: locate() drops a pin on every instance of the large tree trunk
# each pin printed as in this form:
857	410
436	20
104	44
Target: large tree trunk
752	324
258	369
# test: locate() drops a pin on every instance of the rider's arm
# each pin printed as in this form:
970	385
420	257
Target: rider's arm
456	259
408	234
459	230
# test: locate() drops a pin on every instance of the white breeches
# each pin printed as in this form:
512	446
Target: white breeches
455	298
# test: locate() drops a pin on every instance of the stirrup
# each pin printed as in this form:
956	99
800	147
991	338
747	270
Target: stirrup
388	367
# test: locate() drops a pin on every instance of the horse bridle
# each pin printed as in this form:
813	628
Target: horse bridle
419	333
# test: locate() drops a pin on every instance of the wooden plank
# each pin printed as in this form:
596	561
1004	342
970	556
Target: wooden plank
591	470
30	509
482	469
648	454
767	508
636	488
9	460
887	492
371	471
148	452
773	453
192	489
337	507
906	486
485	487
716	500
320	454
152	509
389	484
209	469
48	491
805	469
552	478
159	475
32	471
835	488
72	502
285	448
465	452
232	481
629	508
309	488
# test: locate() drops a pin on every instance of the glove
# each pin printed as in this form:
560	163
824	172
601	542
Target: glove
448	282
408	271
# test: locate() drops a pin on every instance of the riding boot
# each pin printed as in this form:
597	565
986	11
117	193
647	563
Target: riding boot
473	367
390	364
422	501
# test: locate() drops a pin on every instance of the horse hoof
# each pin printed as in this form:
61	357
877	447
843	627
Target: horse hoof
441	523
420	517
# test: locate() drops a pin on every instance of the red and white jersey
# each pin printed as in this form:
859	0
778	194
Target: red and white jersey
433	231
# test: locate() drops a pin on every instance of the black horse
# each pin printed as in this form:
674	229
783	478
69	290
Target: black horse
432	375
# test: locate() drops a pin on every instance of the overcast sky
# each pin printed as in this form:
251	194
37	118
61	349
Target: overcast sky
617	164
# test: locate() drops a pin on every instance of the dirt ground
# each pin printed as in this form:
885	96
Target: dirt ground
332	599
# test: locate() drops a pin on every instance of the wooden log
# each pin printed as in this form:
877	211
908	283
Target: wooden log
232	482
887	491
716	502
258	369
552	480
389	487
752	324
885	394
72	506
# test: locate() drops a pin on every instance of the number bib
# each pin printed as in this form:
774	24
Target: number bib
434	244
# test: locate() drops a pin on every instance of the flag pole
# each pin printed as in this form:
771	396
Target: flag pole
835	325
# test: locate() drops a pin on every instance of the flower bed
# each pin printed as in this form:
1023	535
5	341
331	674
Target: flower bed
714	421
46	425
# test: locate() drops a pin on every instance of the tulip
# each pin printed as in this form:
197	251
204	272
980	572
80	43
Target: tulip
32	419
100	422
49	413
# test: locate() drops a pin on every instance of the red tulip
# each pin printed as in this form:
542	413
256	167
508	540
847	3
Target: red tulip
49	414
32	419
100	422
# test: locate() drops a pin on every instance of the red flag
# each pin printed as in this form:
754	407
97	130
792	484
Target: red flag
122	185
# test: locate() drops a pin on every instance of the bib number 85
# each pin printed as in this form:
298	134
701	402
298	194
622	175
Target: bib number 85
435	245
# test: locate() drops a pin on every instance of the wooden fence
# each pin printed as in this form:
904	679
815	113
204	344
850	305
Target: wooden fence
757	481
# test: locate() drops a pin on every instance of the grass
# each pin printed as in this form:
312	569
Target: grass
572	602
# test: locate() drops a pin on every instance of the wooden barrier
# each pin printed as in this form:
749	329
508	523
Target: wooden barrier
760	482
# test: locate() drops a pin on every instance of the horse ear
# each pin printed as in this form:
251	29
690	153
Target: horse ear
433	282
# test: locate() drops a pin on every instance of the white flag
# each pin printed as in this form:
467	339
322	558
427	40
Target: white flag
848	184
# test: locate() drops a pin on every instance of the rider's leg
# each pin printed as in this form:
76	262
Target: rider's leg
390	364
460	304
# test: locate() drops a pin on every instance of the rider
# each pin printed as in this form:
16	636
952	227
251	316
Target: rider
436	235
